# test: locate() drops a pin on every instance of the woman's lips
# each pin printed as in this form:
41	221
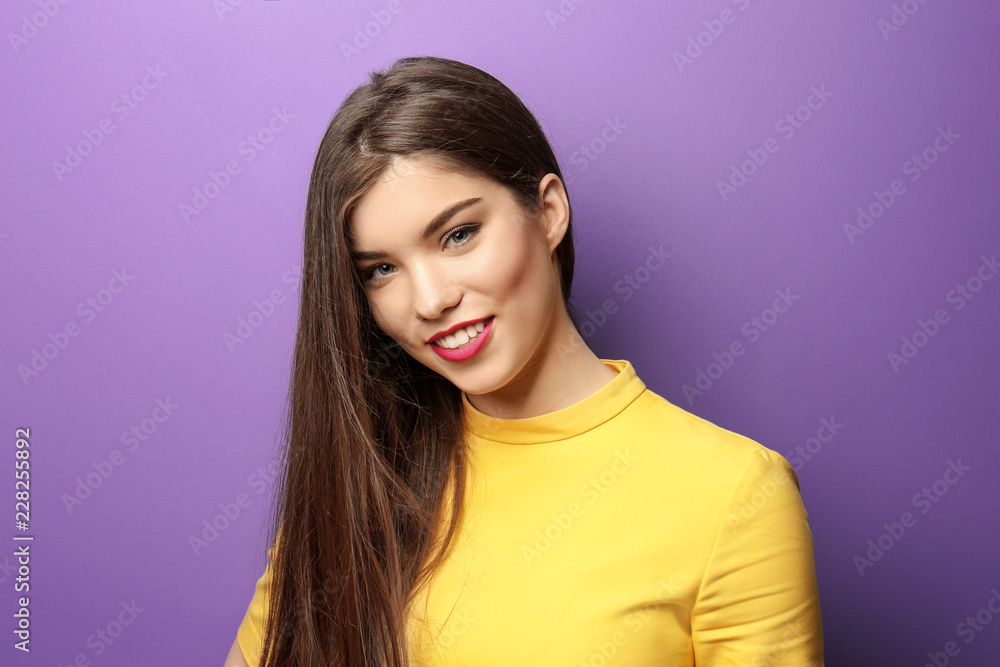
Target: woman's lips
455	329
468	350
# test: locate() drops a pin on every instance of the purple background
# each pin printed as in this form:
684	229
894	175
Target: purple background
672	130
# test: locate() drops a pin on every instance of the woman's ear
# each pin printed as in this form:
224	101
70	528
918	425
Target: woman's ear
553	207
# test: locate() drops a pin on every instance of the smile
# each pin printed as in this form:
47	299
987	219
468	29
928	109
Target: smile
462	336
464	343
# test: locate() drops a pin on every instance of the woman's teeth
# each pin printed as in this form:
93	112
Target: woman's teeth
461	337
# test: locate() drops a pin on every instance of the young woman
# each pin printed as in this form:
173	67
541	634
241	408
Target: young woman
465	481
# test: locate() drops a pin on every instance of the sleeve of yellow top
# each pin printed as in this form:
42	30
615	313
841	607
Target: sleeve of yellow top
250	634
759	602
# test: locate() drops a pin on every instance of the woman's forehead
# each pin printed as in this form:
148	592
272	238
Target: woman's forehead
417	188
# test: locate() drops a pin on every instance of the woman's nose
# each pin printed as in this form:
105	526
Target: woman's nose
434	290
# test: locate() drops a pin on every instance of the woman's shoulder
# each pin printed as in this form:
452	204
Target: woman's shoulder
686	439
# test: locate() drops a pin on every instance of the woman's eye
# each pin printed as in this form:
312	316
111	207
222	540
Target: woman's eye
372	275
463	234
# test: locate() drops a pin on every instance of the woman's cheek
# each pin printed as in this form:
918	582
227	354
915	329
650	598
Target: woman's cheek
506	268
385	319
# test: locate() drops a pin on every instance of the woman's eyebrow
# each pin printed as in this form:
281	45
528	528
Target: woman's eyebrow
439	220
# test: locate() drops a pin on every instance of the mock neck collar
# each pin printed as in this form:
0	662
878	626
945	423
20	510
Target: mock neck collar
567	422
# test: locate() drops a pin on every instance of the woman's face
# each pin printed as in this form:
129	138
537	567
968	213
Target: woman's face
435	249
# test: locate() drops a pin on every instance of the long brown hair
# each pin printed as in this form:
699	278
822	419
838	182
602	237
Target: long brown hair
373	440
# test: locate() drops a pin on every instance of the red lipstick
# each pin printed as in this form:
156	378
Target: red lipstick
468	350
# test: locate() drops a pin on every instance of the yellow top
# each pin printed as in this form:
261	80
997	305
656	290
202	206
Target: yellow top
619	530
